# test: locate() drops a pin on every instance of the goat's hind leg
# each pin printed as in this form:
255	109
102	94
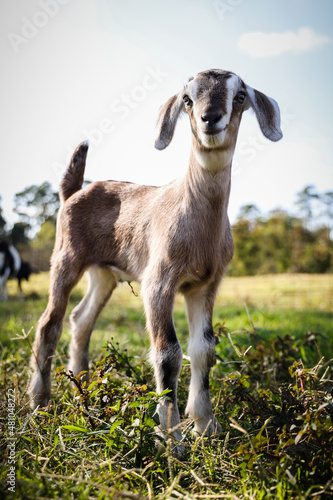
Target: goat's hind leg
63	277
201	350
101	283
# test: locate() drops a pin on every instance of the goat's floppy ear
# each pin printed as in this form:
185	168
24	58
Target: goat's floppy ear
167	120
267	112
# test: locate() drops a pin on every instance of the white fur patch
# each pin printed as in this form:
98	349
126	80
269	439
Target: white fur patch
232	85
101	282
212	141
197	319
192	88
121	275
16	257
214	161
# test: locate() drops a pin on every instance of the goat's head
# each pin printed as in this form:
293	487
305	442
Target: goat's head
215	101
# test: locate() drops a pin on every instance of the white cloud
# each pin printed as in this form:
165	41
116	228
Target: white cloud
259	44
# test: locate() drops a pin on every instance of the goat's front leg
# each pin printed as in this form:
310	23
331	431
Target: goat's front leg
166	352
201	349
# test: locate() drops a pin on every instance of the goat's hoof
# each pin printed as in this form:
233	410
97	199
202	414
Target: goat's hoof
39	400
206	427
177	450
167	442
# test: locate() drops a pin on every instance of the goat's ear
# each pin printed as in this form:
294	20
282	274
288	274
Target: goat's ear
267	112
167	120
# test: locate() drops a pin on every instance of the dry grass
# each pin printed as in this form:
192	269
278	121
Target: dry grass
276	422
275	291
280	291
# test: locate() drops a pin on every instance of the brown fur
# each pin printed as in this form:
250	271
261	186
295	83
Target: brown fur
171	238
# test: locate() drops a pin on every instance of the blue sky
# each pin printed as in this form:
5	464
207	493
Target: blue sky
77	69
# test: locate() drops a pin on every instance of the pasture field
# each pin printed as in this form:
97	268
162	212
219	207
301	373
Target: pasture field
271	389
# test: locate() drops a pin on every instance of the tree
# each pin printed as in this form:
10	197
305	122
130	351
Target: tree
305	201
36	204
327	200
280	243
250	212
19	233
42	245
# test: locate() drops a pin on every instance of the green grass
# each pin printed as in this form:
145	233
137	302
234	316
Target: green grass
274	401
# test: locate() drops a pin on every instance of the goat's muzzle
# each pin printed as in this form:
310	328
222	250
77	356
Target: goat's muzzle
211	121
211	118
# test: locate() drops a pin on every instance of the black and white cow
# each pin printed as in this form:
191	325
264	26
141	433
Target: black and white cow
12	266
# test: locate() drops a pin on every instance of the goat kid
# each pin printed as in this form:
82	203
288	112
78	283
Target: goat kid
171	238
12	266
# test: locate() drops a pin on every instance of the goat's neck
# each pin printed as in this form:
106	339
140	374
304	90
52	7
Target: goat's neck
206	186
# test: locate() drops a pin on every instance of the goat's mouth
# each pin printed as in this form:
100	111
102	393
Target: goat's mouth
215	131
214	137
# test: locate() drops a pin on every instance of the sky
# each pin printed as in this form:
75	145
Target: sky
100	70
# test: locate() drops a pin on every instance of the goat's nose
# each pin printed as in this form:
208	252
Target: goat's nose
211	117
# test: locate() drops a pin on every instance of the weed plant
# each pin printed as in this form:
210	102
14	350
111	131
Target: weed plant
273	397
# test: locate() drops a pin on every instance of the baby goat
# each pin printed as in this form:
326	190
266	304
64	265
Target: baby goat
175	238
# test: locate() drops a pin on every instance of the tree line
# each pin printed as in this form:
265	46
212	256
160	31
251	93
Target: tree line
280	242
277	242
33	234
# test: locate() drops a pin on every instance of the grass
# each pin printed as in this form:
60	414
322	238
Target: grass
273	399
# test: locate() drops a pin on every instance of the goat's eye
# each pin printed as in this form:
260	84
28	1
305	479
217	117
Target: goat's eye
187	100
240	97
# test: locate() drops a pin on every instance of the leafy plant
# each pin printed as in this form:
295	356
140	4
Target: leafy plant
271	391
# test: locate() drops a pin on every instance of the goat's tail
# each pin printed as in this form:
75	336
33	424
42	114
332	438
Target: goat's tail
73	178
